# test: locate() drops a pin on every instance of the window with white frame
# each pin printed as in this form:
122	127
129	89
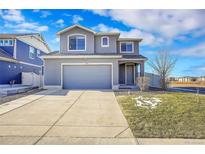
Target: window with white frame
38	52
10	42
31	52
6	42
105	41
1	42
126	47
76	43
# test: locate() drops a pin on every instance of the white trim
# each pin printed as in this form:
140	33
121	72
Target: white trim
38	55
108	41
81	56
21	62
78	64
15	49
73	26
69	42
8	60
43	74
126	51
33	52
124	59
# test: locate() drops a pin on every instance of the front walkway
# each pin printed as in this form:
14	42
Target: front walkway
64	117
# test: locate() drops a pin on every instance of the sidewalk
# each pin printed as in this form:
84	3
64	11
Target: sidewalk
174	141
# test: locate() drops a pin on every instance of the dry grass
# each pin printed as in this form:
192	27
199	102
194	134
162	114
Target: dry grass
187	84
179	115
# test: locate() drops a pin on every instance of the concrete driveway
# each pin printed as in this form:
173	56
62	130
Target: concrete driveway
64	117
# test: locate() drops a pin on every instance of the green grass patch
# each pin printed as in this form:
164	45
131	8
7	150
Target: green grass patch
179	115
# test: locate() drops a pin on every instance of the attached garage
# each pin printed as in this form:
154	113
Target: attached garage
86	76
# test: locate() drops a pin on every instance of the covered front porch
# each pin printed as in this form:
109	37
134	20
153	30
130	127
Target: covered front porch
128	73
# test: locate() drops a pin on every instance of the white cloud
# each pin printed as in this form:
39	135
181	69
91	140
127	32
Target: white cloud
167	24
42	28
12	15
36	10
26	27
16	21
60	23
56	40
77	19
196	70
45	14
104	28
148	38
101	12
196	51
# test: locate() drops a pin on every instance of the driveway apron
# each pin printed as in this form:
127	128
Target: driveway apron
66	117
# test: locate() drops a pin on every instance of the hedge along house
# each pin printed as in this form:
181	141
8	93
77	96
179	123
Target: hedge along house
20	53
93	60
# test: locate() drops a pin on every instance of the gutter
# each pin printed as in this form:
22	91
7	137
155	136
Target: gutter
8	59
125	59
81	56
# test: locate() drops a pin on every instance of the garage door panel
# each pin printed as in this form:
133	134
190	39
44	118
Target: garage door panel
87	77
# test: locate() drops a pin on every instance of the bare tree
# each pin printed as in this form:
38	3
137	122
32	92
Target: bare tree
143	83
163	64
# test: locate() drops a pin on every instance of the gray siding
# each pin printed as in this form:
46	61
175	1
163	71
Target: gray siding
136	47
122	74
112	45
89	41
52	74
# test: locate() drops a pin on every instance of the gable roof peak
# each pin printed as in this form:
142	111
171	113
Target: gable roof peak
74	26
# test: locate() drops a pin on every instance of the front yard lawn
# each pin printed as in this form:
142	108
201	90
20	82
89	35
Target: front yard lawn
177	115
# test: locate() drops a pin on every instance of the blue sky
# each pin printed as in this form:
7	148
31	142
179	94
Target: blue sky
181	32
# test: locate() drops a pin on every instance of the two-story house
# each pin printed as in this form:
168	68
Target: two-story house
93	60
20	53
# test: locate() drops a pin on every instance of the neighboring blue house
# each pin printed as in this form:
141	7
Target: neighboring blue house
20	53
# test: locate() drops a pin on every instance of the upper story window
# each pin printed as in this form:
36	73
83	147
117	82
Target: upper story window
1	42
38	52
31	52
105	41
126	47
6	42
76	42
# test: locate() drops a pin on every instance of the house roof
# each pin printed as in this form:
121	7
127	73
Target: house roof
13	36
134	57
104	55
98	33
74	26
130	39
37	36
57	53
107	33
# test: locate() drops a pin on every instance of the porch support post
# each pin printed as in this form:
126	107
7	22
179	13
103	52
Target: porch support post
142	69
136	70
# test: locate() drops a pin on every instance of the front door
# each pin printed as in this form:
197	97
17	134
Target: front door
130	74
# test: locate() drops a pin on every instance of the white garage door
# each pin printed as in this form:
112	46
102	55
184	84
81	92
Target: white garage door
87	77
